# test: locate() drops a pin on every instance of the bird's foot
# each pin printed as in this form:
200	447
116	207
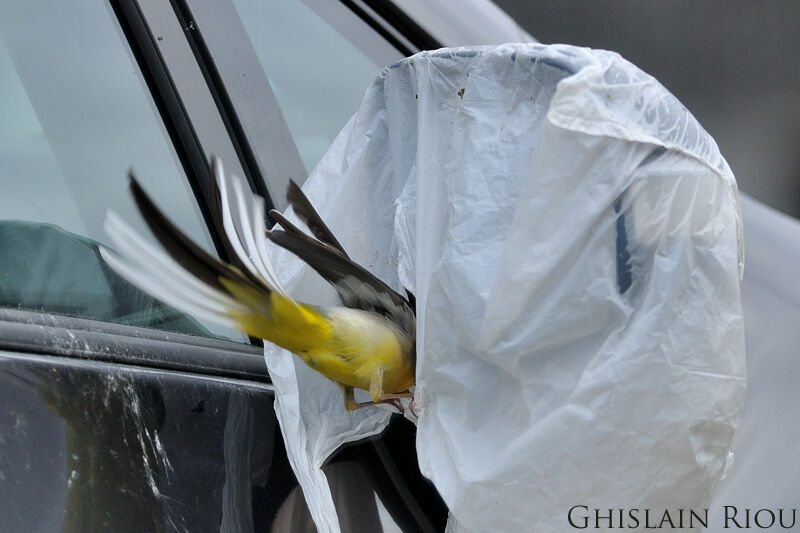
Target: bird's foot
392	399
411	408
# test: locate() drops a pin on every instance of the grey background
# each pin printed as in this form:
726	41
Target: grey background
734	64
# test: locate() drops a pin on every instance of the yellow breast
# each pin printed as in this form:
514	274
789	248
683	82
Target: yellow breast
361	343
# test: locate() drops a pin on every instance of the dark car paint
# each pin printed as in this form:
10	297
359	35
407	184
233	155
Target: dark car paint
99	446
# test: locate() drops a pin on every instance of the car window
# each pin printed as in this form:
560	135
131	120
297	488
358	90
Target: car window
317	74
313	59
76	116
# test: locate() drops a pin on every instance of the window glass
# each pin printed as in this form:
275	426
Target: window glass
318	58
76	116
317	74
357	498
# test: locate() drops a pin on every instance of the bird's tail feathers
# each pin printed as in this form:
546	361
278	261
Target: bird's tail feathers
244	225
194	281
159	275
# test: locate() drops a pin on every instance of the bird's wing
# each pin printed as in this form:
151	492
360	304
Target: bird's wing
356	286
306	212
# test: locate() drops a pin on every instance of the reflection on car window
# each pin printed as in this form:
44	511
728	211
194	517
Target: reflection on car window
76	116
349	482
89	447
319	59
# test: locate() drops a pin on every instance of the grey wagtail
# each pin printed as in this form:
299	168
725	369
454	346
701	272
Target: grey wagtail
368	343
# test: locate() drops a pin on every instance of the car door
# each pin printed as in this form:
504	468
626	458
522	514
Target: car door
120	413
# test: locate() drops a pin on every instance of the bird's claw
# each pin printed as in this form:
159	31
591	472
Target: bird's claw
391	399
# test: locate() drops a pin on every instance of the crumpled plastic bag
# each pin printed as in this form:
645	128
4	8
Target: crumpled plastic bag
573	239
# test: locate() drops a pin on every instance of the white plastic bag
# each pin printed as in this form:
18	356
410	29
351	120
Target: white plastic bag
573	240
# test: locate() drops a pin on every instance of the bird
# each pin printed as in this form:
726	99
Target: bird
369	342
